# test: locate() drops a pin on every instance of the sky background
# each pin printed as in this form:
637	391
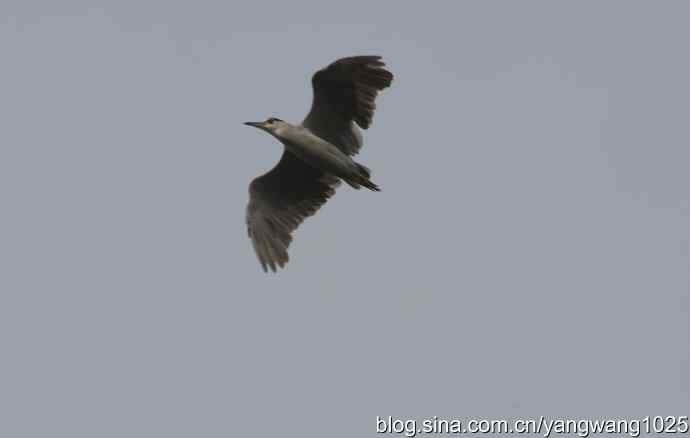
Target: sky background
529	253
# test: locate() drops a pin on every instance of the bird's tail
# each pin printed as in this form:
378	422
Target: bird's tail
362	178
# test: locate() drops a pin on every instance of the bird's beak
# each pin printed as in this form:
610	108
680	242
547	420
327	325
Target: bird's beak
254	124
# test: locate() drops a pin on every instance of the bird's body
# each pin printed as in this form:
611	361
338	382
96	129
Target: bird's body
317	155
321	154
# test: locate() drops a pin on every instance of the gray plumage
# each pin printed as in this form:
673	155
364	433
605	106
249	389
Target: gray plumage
317	155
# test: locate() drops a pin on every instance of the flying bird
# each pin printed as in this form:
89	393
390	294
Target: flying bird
317	155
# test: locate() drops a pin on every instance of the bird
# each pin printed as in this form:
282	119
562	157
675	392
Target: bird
317	155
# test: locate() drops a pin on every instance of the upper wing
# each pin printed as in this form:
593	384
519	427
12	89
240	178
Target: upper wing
344	92
279	201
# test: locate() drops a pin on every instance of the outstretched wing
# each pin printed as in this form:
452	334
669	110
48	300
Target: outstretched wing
345	92
279	201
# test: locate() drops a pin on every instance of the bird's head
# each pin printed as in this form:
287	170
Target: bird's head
270	125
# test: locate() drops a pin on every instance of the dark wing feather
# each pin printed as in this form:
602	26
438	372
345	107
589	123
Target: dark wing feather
278	203
345	92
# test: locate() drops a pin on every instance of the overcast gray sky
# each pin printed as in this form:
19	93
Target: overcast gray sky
529	253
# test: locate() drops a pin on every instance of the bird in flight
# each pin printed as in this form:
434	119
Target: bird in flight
317	155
